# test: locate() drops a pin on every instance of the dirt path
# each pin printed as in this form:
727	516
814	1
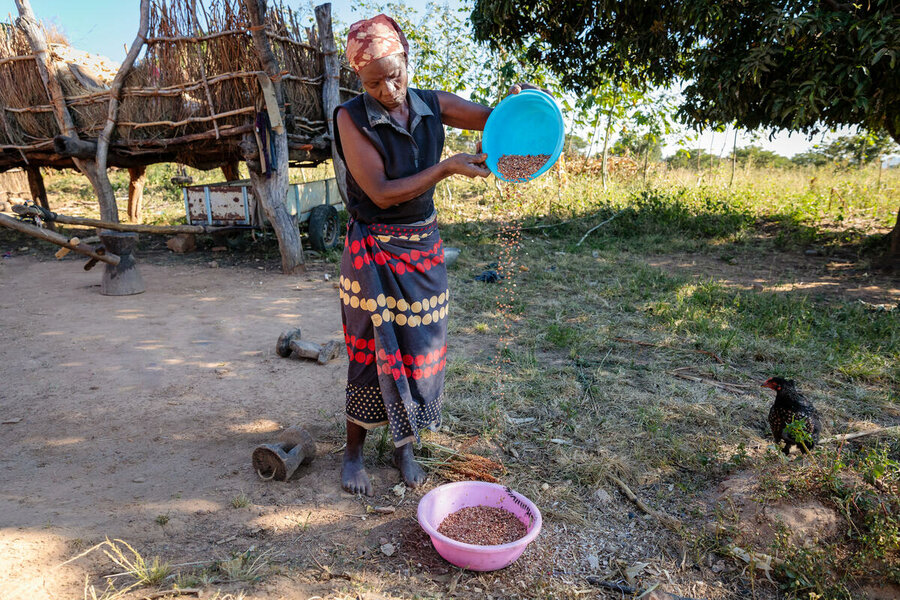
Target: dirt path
136	407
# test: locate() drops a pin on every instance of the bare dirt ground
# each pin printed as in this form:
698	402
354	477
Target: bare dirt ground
816	275
134	418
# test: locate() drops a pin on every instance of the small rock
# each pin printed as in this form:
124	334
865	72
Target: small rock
718	567
593	562
602	496
24	249
181	243
213	264
399	490
388	549
545	486
222	371
757	287
327	276
811	252
595	253
219	248
138	480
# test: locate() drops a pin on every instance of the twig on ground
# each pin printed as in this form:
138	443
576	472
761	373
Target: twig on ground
597	226
625	589
852	436
667	520
173	592
652	345
734	388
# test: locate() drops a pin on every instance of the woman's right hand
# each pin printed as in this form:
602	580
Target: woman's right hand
469	165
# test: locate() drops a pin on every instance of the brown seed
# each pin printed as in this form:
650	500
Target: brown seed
483	526
515	167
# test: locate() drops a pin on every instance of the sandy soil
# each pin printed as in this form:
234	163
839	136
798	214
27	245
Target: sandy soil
135	407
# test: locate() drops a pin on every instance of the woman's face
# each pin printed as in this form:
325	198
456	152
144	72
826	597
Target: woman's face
385	79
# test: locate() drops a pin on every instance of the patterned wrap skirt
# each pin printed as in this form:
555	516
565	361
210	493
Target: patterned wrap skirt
394	303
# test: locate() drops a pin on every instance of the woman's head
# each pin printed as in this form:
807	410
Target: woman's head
377	51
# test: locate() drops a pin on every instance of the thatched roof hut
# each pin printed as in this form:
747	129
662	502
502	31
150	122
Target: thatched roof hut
192	98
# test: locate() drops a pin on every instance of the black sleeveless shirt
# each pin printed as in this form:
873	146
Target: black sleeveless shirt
404	153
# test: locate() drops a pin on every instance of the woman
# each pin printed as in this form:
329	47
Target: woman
394	296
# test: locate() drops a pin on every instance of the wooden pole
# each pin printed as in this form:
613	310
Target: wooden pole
231	171
331	93
48	72
137	177
55	238
271	188
151	229
38	191
115	88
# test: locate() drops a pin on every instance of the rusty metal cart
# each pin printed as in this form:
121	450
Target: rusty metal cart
233	204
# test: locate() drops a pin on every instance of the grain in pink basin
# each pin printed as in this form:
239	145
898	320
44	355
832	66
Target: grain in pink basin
449	498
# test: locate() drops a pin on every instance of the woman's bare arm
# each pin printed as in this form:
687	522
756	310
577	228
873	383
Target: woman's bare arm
462	114
367	167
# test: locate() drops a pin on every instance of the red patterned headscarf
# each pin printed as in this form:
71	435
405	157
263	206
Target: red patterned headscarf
372	39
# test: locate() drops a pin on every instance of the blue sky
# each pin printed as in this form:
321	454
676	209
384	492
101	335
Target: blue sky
106	27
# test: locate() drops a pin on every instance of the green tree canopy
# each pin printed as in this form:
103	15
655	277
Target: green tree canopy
791	64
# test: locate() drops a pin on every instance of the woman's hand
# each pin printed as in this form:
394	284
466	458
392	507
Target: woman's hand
518	87
469	165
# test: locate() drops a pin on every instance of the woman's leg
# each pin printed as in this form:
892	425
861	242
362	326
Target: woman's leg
354	478
412	472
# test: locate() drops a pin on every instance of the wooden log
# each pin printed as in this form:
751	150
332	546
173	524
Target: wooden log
115	88
74	147
137	177
38	191
272	190
55	238
135	228
331	94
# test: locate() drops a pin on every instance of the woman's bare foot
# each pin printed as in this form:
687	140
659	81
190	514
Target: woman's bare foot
354	478
412	472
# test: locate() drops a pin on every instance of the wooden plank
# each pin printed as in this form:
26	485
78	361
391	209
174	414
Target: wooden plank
268	91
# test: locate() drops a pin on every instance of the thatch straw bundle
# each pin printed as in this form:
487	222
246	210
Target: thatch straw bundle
197	75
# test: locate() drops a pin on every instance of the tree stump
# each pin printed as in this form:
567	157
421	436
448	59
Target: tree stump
123	279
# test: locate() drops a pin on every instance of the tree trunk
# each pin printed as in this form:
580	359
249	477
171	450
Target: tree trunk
895	240
137	176
38	191
733	157
331	93
271	188
231	171
603	163
47	69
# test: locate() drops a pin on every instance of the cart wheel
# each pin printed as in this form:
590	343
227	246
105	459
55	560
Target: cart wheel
323	227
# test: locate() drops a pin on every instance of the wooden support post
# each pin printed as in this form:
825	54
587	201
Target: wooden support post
272	188
38	191
231	171
331	92
122	279
137	176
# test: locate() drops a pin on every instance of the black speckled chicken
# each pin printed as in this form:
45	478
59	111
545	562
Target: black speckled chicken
791	405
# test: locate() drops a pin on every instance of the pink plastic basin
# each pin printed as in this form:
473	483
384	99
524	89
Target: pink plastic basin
449	498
